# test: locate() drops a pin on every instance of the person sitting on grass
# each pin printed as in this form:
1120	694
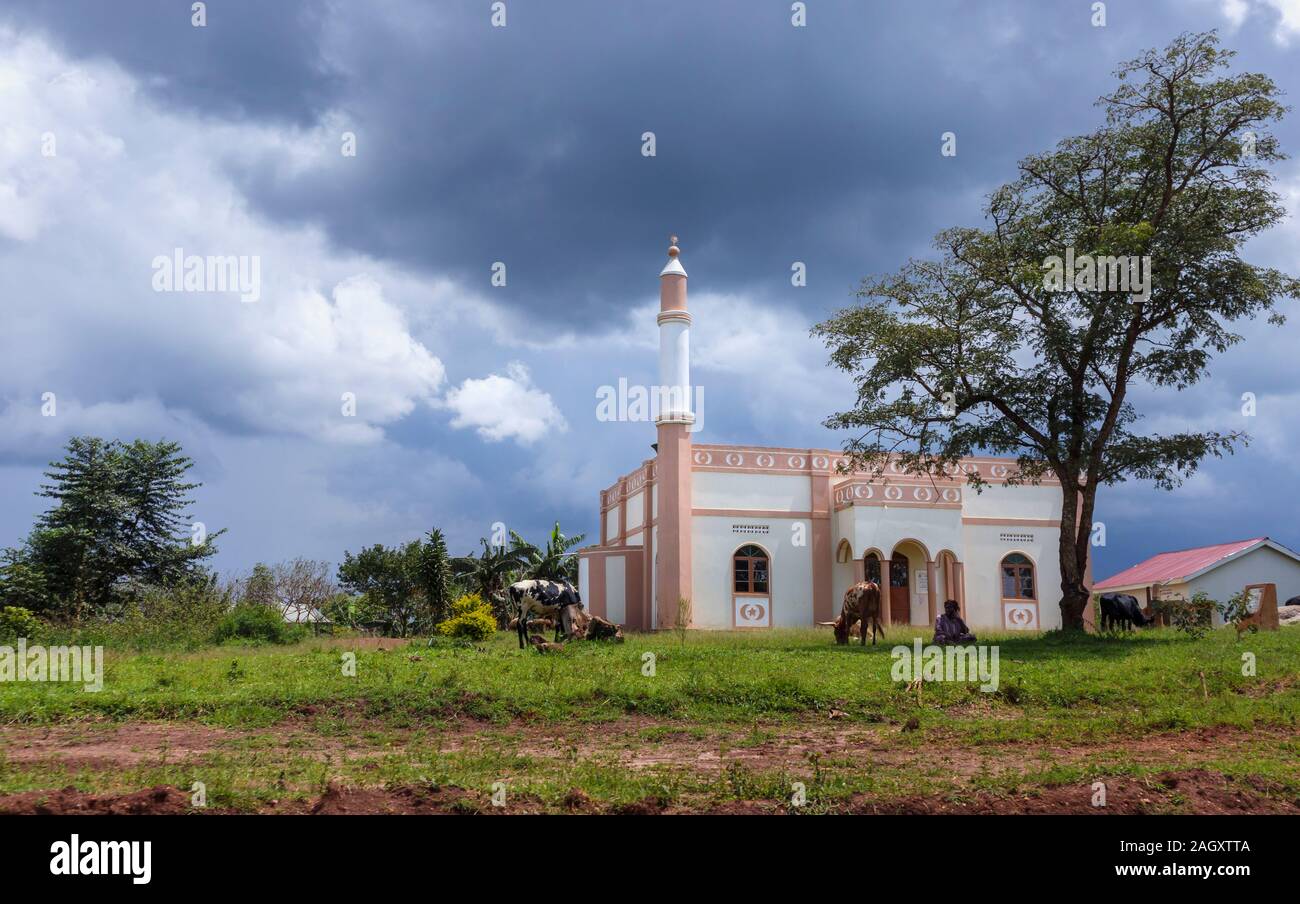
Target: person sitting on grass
949	627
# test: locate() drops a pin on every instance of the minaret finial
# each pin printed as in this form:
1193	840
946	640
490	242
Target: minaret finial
673	250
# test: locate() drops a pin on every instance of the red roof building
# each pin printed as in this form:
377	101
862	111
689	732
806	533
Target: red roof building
1219	571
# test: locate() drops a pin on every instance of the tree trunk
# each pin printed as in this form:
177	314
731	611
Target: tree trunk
1076	531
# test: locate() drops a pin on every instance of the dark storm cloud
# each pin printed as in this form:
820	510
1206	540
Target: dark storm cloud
522	144
253	58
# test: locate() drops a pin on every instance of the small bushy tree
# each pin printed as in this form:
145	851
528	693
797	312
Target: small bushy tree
471	618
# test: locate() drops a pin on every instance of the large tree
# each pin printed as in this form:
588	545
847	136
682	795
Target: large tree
980	351
118	521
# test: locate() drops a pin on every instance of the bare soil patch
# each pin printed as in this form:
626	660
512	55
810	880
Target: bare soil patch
1186	791
635	743
157	800
1183	759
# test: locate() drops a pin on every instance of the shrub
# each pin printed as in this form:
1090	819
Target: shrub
471	618
15	621
1193	618
257	623
1236	610
349	612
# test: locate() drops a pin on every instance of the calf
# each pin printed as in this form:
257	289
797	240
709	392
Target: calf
1121	609
541	646
549	599
540	624
861	601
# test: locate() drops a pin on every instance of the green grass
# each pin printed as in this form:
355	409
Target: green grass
1080	685
734	691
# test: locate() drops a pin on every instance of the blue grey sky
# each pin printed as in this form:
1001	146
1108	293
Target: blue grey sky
475	144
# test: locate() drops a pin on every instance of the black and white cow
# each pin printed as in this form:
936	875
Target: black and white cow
551	599
1121	609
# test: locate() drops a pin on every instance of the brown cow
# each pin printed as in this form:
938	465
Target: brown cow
861	602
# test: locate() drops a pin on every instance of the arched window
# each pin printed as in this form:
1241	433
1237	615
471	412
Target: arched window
1018	578
871	568
750	569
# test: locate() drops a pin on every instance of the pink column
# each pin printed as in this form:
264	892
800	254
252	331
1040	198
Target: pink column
886	593
959	588
931	575
822	555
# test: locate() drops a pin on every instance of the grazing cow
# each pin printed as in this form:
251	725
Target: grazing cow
861	601
1121	609
549	599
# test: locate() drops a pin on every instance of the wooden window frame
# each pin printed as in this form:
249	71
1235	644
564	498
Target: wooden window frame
750	560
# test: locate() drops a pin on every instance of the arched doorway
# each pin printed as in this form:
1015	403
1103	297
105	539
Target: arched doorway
900	598
871	568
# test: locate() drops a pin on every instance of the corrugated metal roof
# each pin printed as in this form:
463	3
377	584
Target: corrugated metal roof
1174	566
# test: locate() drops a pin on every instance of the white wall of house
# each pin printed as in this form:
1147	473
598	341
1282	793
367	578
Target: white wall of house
1260	566
985	545
635	510
997	501
584	578
765	492
883	528
791	577
616	589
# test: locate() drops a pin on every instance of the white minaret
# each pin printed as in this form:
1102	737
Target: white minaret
674	343
672	551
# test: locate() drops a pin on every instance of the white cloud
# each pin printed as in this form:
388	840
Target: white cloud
505	407
1235	12
129	182
1287	13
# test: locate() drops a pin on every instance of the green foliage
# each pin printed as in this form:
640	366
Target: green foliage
436	576
258	624
1192	617
299	589
490	572
406	588
1236	609
471	618
15	622
184	617
348	612
556	562
117	524
259	587
497	566
977	352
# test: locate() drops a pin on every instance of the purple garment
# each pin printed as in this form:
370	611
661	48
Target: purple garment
950	629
